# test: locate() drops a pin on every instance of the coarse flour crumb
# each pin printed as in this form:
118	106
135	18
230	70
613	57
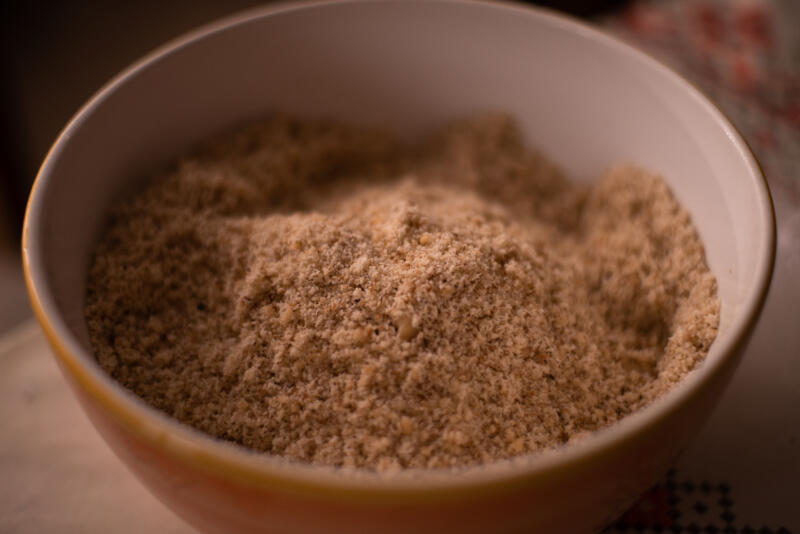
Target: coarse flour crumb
320	292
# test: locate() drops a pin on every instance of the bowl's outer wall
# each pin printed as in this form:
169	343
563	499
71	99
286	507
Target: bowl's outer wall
582	99
579	500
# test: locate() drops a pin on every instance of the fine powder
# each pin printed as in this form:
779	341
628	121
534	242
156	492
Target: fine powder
323	293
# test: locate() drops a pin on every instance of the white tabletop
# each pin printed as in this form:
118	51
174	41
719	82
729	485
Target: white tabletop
57	473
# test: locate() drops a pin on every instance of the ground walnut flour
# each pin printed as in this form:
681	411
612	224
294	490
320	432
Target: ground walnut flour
319	292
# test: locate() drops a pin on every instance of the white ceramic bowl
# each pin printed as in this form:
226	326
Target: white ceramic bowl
585	99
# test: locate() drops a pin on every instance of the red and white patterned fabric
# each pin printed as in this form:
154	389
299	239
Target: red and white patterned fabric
745	55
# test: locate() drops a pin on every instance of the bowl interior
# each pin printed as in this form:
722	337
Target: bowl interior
584	99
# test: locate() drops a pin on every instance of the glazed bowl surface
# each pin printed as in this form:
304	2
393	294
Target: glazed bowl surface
585	99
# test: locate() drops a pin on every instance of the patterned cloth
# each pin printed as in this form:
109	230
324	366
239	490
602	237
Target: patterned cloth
745	55
685	506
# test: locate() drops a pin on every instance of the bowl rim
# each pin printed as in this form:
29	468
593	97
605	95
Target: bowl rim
229	461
